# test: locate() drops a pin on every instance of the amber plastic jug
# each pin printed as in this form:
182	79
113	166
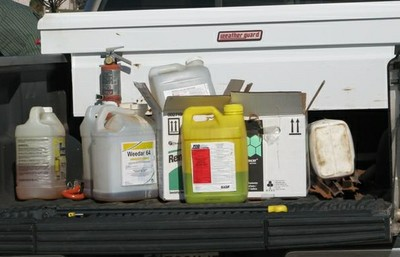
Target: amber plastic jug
214	147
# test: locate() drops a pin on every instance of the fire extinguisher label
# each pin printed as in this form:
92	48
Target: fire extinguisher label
110	82
138	163
213	167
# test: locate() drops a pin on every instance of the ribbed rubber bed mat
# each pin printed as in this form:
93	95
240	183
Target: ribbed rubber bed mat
295	231
17	237
115	229
86	227
141	235
329	223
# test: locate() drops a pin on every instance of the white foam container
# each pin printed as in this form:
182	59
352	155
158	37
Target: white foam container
331	148
180	80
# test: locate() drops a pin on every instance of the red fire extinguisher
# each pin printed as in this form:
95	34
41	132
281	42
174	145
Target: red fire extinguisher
110	78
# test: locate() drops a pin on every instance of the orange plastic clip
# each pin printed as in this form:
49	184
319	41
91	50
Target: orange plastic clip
75	191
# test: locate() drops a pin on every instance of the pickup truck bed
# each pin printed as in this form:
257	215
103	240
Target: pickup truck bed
87	227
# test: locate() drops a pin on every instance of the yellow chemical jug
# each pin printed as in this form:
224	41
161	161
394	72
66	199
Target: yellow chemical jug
214	154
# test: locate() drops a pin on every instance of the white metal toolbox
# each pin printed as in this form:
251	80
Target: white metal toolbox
285	48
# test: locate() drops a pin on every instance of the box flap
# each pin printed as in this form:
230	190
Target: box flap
180	103
271	103
235	85
151	101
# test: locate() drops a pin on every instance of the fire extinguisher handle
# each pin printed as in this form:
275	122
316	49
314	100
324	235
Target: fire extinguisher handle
110	51
120	58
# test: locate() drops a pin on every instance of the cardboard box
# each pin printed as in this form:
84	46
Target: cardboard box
277	163
277	147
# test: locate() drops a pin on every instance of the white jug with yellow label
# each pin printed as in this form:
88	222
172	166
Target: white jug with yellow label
40	152
123	155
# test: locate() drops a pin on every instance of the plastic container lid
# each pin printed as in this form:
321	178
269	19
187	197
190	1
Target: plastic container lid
233	109
194	61
48	109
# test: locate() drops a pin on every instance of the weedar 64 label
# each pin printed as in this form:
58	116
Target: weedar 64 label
246	35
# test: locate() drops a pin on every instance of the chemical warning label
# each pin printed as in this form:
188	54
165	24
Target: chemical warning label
199	89
138	163
201	165
40	160
213	167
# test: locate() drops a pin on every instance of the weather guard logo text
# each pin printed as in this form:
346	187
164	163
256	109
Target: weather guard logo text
246	35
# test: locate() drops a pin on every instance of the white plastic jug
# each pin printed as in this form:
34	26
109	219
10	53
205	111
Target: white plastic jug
177	79
86	128
41	160
123	155
331	148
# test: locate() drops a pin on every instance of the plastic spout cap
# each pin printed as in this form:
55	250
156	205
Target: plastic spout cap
47	109
194	61
232	109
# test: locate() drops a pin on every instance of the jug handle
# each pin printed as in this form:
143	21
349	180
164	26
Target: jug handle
92	110
107	109
192	111
35	113
165	69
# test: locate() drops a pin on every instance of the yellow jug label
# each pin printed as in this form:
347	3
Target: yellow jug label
60	160
213	167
